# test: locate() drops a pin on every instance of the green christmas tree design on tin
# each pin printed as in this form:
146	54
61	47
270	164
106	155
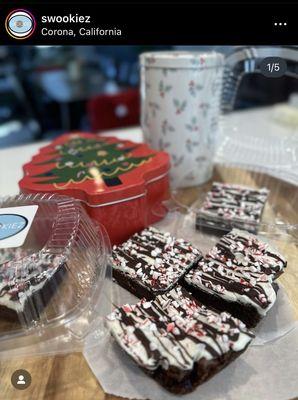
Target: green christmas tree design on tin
81	159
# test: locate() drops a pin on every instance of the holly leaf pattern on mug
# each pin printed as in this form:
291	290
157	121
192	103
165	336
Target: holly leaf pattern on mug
163	88
177	160
192	126
163	145
154	107
190	144
194	88
166	127
179	105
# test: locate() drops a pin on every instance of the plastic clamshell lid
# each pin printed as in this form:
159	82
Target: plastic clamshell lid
97	170
182	59
50	285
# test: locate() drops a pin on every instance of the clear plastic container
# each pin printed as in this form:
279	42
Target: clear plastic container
54	281
262	138
280	208
278	224
278	227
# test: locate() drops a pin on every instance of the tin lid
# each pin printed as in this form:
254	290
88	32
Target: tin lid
97	170
182	59
53	268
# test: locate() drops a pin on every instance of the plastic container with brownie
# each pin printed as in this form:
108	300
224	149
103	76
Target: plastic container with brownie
239	198
118	181
54	278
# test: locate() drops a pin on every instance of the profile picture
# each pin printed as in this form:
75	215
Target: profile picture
20	24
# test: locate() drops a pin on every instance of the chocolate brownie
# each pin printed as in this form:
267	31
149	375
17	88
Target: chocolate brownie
249	251
27	283
152	262
227	206
237	276
11	254
177	340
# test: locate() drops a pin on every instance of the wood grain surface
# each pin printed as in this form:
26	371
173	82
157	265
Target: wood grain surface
68	377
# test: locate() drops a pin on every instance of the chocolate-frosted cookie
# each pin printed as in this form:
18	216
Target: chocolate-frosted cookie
177	340
227	206
152	262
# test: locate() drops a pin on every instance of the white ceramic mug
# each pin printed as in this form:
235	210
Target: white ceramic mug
181	94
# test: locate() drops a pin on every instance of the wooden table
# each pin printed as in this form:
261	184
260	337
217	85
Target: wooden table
68	377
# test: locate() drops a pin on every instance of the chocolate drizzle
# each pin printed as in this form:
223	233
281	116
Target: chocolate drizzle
233	203
248	251
155	259
23	273
175	330
240	268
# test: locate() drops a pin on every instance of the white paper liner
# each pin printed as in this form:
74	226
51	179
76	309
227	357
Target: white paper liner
267	370
269	366
262	372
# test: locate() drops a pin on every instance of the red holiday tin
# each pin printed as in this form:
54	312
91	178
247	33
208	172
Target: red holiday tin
120	182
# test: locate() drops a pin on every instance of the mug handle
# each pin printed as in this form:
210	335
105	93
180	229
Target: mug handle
247	60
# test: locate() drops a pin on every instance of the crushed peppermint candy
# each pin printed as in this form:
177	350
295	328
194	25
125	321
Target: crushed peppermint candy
236	272
179	338
250	253
154	259
228	204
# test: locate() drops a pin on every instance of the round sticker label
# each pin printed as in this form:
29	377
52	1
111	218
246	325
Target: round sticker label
11	224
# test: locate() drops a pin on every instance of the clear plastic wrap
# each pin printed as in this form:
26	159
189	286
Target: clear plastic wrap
56	284
260	138
276	335
280	211
276	338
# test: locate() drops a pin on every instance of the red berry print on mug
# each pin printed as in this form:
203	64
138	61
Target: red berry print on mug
179	106
163	89
193	126
187	89
194	88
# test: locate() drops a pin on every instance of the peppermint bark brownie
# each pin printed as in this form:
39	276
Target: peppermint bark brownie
227	206
11	254
247	250
152	262
27	284
237	276
178	341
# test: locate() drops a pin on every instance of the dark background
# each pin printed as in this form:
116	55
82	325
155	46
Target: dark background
168	22
47	90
